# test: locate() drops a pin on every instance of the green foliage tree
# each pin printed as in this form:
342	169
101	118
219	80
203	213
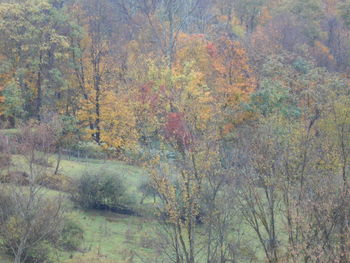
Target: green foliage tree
35	49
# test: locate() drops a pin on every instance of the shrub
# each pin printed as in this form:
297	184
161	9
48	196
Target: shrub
43	162
148	190
103	192
58	182
17	177
72	235
5	160
43	252
68	237
42	225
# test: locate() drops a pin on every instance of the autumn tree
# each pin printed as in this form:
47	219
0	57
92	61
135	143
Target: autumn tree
193	96
2	99
103	106
166	20
35	51
27	216
259	200
249	12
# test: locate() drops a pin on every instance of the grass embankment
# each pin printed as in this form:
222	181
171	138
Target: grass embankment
108	234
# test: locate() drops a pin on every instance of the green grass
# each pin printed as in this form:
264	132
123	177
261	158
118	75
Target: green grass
8	131
5	259
112	235
132	176
108	234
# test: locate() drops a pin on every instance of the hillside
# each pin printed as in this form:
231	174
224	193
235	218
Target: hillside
175	131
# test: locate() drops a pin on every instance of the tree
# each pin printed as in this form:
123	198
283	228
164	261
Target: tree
65	132
192	120
260	172
166	20
35	48
2	99
103	106
5	159
28	216
249	12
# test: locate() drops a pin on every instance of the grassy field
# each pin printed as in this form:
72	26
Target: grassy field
113	235
132	176
108	234
5	259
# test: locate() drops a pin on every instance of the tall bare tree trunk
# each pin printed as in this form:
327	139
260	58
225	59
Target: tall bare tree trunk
39	91
58	160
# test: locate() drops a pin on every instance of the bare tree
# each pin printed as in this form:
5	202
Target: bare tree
27	214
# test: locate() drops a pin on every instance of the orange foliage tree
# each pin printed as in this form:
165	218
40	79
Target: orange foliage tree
206	84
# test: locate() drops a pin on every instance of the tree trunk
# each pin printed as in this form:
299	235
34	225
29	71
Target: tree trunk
18	255
171	36
97	87
39	89
17	259
39	96
58	160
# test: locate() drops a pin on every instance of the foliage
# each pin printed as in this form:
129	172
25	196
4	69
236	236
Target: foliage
28	216
72	235
43	252
237	110
14	226
103	191
273	97
88	149
13	102
58	182
33	75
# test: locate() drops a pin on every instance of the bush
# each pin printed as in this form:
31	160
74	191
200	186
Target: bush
17	177
43	252
103	192
148	190
57	182
72	235
43	162
5	160
42	240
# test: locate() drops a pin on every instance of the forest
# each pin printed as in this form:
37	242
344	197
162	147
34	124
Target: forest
175	131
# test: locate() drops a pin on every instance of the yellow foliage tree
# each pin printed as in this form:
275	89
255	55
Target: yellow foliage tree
104	109
206	84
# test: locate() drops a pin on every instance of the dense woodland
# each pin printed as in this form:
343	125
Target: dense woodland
237	112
